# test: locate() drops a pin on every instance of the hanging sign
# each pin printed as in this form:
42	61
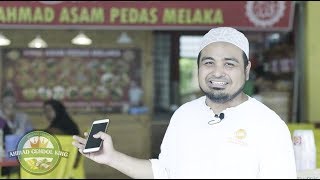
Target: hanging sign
153	15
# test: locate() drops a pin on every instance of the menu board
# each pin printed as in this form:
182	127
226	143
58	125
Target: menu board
81	78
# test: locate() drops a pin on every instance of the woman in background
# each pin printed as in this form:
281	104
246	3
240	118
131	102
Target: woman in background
59	119
61	123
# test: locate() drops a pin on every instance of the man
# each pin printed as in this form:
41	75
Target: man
224	134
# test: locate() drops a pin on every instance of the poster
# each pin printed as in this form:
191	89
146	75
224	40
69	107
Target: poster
82	78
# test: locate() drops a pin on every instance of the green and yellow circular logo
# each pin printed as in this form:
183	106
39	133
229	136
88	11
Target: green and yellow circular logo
39	152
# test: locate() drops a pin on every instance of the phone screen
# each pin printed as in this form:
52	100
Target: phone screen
93	142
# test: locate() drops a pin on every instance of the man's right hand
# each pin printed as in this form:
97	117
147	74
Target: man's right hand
103	156
132	167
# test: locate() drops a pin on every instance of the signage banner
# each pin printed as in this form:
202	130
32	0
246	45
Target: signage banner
150	15
103	79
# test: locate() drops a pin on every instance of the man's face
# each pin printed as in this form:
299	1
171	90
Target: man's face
222	74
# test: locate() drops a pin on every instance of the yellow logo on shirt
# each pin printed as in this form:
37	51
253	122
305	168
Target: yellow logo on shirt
239	137
240	134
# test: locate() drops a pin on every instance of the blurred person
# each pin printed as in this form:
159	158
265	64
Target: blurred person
18	122
4	128
224	134
60	122
4	131
14	124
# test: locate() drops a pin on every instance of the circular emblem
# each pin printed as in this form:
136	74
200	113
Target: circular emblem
297	140
240	134
265	13
39	152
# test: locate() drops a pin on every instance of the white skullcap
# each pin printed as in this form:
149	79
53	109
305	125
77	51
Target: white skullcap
226	34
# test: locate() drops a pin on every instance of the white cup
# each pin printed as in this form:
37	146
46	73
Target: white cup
304	149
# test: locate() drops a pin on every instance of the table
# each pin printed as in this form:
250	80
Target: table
4	162
9	162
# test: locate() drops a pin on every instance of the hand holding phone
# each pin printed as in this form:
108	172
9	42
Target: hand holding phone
93	144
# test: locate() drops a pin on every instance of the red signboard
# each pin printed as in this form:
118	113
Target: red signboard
153	15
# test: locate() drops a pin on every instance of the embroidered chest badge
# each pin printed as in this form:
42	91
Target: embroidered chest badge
239	137
240	134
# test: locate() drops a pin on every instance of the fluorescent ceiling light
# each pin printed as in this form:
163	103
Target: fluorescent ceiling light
4	41
81	39
124	38
38	42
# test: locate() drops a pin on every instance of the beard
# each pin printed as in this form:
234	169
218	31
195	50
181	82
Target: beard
221	97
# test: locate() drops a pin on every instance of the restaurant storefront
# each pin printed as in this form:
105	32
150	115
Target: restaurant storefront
131	73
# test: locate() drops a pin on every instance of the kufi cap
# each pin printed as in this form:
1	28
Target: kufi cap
226	34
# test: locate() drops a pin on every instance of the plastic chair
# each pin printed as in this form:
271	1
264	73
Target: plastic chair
64	168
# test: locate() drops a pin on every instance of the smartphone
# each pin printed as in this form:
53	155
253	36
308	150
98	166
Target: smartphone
93	144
